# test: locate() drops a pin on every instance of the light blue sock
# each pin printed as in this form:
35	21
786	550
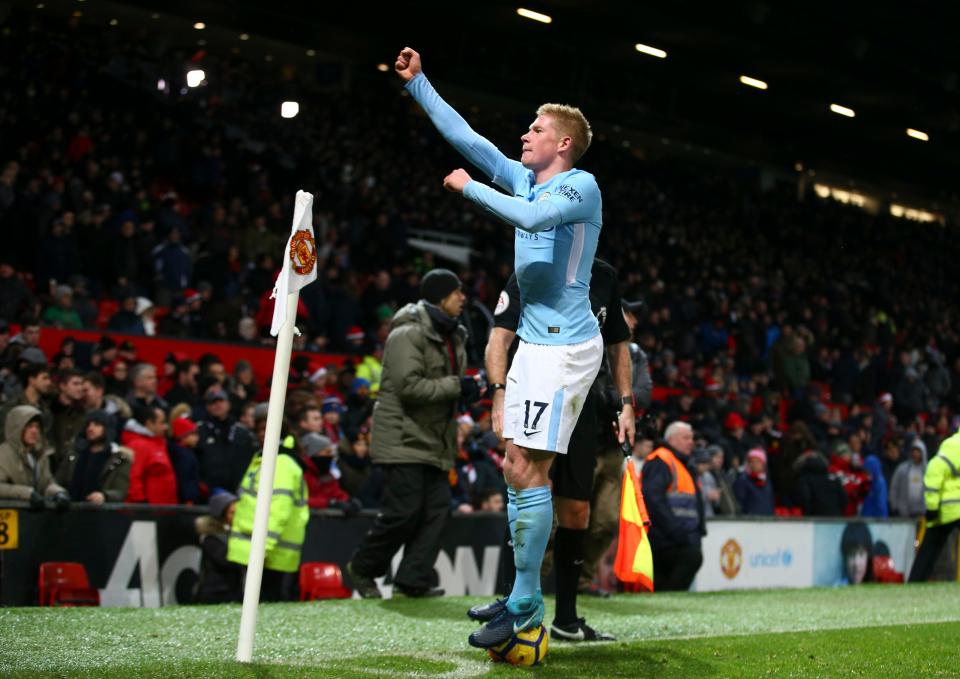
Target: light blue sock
511	510
530	530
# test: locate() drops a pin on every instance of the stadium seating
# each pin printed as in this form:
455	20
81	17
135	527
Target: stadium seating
320	580
66	584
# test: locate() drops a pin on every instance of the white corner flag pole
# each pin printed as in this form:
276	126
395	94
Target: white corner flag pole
284	325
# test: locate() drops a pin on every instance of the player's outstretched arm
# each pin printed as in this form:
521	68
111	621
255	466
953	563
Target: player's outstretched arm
575	202
475	148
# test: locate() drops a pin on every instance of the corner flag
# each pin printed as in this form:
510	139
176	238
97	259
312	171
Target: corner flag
299	261
634	562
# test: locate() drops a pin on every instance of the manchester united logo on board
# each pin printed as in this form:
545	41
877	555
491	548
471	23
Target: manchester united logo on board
731	558
303	252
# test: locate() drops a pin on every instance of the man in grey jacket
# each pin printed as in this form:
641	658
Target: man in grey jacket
25	461
414	438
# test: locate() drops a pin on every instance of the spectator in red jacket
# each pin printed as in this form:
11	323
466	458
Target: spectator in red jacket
856	482
152	478
322	482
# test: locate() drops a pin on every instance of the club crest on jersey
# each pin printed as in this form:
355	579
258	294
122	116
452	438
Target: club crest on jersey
503	303
303	252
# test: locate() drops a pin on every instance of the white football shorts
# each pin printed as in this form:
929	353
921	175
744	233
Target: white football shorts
546	387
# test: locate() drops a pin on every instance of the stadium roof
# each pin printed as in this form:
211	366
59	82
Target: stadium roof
895	66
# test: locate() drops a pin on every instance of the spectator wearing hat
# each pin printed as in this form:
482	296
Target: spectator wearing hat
875	503
331	410
856	483
359	407
225	447
152	478
220	581
97	469
734	444
415	438
36	387
321	475
752	488
182	448
62	313
25	461
817	491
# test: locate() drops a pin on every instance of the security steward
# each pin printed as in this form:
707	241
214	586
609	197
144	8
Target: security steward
675	506
572	474
941	493
288	518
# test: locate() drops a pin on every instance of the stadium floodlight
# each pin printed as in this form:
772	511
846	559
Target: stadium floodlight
289	109
753	82
244	36
311	53
161	84
918	134
383	68
842	110
652	51
199	25
195	77
536	16
114	22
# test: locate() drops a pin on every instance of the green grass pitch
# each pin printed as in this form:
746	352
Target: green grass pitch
867	631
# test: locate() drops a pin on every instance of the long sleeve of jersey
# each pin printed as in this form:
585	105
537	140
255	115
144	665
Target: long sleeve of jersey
478	150
530	217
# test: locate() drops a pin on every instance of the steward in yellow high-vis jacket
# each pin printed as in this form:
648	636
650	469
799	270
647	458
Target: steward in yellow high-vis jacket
941	494
288	519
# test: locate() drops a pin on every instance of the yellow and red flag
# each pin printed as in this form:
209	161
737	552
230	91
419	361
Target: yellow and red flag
634	562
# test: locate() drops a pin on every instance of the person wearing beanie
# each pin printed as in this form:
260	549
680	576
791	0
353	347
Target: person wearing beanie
220	581
753	488
97	469
415	438
184	437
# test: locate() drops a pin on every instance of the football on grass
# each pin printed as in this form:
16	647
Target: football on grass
524	648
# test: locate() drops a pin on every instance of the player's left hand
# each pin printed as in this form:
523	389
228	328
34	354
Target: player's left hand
456	180
626	425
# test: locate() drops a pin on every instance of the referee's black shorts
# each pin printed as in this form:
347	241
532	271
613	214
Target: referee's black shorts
572	474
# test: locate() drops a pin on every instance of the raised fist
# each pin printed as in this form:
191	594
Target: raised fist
456	180
408	63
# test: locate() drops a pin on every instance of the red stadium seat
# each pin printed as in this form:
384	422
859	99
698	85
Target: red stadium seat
66	584
319	580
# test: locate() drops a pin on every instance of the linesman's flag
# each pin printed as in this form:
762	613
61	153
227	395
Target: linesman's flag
634	562
299	261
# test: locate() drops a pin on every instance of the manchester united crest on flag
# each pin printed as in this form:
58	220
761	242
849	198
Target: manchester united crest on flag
303	252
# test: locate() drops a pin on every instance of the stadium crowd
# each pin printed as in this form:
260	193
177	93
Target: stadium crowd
816	370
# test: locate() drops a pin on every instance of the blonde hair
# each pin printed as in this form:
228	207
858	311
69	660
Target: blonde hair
570	122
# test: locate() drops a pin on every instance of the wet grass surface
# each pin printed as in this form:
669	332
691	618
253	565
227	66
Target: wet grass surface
857	631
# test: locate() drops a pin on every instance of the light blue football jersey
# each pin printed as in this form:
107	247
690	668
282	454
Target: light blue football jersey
557	226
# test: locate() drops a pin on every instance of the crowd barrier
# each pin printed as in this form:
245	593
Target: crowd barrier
149	556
